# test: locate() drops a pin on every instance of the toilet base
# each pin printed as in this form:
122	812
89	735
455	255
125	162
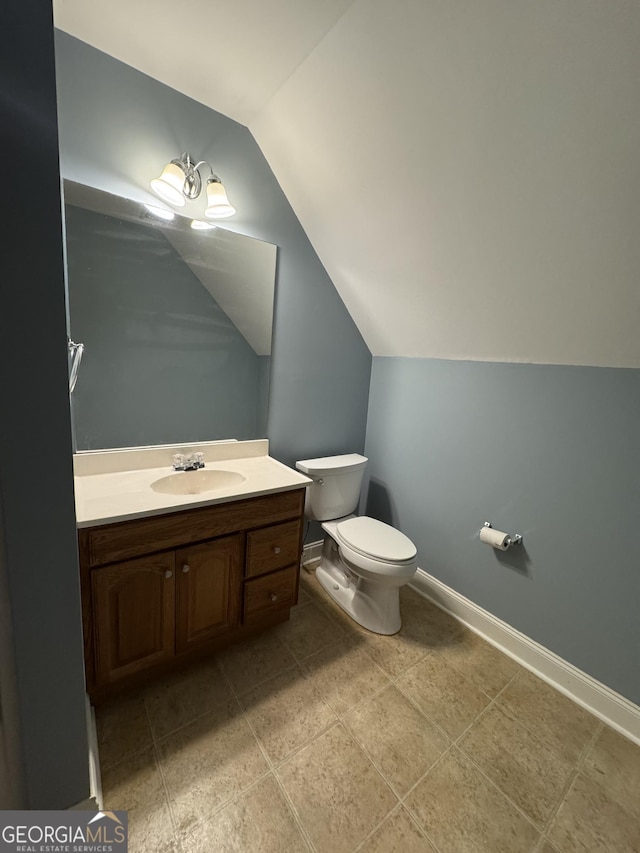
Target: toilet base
375	607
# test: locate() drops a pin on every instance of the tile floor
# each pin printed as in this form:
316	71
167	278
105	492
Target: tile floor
319	736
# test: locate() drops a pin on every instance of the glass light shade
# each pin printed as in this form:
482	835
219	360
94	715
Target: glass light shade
170	184
218	206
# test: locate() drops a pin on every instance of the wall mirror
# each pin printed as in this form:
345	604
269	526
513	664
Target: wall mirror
176	324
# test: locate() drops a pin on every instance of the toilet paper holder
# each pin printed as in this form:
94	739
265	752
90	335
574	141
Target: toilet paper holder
510	540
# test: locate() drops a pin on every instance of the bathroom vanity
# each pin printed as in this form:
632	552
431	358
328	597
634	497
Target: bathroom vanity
190	574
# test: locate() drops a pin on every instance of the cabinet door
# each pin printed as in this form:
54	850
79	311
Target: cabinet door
134	615
209	589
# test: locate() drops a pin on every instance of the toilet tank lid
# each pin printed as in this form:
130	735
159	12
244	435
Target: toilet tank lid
332	464
376	539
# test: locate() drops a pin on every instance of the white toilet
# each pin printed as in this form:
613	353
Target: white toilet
364	562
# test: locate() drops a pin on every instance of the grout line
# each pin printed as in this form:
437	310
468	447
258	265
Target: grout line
191	720
573	776
294	811
202	819
455	744
381	823
273	765
538	827
424	775
245	716
383	778
165	787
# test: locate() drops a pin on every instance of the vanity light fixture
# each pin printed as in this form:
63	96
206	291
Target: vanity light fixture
181	180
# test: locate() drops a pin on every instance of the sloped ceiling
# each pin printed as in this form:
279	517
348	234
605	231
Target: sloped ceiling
467	171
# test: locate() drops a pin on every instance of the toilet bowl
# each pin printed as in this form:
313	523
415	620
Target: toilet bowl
364	561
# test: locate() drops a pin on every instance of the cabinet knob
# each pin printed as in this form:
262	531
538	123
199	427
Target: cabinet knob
273	596
168	574
276	549
186	569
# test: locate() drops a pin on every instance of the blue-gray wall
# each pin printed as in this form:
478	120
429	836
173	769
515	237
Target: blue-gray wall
117	129
38	555
163	363
551	452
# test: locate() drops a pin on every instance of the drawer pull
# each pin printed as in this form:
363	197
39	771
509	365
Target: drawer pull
276	549
273	596
186	569
168	574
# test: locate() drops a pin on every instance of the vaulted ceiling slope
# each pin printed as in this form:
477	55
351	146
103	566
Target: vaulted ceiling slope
467	171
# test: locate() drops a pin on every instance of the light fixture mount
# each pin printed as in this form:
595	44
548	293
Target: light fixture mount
181	179
192	177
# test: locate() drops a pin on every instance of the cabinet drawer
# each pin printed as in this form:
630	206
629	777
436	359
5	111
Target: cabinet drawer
111	543
271	592
273	548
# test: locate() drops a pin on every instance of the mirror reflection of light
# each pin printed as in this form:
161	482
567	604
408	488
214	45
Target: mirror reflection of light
160	212
199	225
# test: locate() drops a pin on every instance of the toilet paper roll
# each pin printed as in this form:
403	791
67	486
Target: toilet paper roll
498	539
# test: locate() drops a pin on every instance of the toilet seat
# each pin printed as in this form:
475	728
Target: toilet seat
375	541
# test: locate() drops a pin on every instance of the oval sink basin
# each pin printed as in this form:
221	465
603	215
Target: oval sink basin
196	482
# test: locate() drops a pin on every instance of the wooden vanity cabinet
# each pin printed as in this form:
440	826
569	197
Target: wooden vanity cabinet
161	589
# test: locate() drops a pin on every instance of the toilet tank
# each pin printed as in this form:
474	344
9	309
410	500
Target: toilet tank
335	490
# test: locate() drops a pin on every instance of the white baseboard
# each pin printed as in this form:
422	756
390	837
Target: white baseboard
616	711
95	776
311	551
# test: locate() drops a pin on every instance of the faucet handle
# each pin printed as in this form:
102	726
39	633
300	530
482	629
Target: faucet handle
178	461
199	459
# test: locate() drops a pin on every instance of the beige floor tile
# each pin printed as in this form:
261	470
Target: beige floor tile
589	821
255	660
208	762
548	848
258	821
286	712
184	695
614	762
308	630
443	693
480	662
557	721
135	784
343	675
462	812
398	834
392	654
519	763
123	728
400	741
425	624
338	794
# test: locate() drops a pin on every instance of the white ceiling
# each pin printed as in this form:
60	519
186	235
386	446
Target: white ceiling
467	171
232	56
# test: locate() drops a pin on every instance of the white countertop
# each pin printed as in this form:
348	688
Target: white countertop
108	489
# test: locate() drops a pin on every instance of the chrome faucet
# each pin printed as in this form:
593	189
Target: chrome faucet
192	462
